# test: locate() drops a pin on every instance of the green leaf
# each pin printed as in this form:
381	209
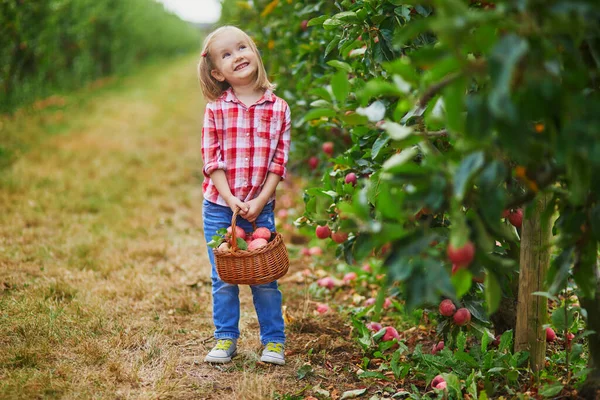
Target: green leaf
559	270
467	169
303	371
595	222
321	104
319	113
374	112
331	23
353	394
346	16
579	174
504	61
318	20
551	390
241	244
493	292
377	87
454	105
462	281
379	144
562	320
399	159
340	86
340	65
397	131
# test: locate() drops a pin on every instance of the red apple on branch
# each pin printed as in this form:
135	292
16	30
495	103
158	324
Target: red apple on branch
323	232
328	148
462	256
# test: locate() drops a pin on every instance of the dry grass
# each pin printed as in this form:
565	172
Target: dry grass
104	279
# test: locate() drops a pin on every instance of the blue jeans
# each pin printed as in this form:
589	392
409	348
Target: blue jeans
226	302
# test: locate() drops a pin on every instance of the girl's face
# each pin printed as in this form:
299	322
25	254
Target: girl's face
234	59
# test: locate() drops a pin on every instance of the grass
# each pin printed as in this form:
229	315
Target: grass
102	268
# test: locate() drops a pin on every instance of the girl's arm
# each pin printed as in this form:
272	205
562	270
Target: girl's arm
256	205
214	165
277	170
220	181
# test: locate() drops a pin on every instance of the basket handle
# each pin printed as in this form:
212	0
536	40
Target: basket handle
234	246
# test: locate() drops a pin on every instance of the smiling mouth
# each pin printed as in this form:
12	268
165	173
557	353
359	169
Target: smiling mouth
241	66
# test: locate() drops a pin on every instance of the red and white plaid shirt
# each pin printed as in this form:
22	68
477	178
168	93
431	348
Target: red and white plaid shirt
246	142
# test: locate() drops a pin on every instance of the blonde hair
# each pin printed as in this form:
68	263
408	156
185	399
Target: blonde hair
212	89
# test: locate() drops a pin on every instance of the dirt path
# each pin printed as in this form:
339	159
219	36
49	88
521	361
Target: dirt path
104	279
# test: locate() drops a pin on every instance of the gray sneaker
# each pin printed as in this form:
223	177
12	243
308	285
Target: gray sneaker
224	350
273	353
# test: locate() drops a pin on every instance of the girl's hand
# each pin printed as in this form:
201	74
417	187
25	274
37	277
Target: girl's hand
255	207
234	203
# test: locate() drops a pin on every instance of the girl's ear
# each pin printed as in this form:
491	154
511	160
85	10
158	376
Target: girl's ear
217	75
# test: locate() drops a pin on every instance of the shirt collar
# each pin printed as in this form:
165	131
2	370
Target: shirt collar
230	96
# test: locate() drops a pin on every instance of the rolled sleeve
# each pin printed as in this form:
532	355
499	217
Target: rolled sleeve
278	164
212	156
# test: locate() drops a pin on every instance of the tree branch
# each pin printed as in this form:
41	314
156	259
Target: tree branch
437	87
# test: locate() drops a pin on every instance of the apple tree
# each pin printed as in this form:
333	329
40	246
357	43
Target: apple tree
448	120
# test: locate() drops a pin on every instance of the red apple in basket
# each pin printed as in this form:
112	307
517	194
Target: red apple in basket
262	233
239	232
257	244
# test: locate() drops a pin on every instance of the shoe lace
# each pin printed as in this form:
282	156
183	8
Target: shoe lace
275	347
223	344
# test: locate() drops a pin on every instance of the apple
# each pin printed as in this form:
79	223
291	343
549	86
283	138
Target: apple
282	214
257	244
304	25
350	276
224	247
313	162
516	218
328	148
505	213
550	335
374	327
315	251
239	232
462	256
305	251
496	341
438	347
323	232
326	282
322	308
350	178
339	236
569	338
447	308
462	316
262	233
366	268
390	334
439	383
387	302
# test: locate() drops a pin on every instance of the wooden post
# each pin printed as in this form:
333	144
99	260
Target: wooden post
534	260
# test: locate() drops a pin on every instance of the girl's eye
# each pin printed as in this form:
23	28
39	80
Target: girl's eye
242	47
226	55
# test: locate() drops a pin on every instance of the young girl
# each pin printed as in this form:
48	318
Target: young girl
245	145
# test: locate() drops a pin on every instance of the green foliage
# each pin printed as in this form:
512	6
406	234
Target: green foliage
461	110
451	113
56	45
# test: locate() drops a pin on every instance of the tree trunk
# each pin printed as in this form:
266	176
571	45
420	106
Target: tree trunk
591	386
532	311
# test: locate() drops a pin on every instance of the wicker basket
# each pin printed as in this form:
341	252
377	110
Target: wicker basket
255	267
